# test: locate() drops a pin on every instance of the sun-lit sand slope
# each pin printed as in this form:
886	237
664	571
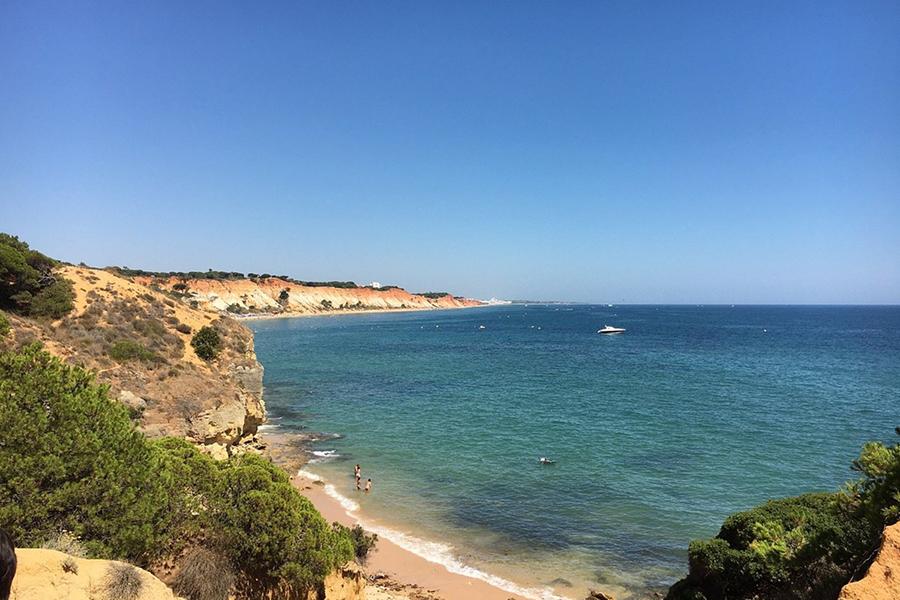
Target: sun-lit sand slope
51	575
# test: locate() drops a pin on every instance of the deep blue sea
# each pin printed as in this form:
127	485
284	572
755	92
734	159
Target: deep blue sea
693	413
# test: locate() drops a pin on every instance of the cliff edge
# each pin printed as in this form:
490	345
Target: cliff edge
275	295
51	575
138	341
882	580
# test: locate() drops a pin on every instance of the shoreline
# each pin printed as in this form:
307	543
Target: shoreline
337	313
393	567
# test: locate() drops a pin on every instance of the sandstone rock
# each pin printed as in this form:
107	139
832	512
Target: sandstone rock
221	425
216	451
347	583
882	581
40	576
132	401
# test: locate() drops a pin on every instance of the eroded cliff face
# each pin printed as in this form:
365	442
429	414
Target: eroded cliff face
882	580
171	391
275	295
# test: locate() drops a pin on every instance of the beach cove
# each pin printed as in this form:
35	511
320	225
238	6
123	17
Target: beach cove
416	398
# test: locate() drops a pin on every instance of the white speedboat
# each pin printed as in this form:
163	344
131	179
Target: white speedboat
607	329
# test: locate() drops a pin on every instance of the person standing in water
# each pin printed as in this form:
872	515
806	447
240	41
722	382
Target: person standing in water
357	471
368	485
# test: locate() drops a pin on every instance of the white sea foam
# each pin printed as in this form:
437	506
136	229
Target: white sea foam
323	455
435	552
308	475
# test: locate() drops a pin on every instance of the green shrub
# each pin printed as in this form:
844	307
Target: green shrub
27	284
878	491
4	325
807	547
183	328
206	343
125	350
363	541
53	301
72	461
274	532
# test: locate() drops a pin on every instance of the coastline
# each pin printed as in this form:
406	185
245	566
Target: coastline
395	570
337	313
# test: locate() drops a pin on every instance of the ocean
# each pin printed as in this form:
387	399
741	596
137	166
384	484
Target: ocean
657	434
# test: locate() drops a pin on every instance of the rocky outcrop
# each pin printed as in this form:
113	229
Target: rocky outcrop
882	581
347	583
51	575
276	295
169	390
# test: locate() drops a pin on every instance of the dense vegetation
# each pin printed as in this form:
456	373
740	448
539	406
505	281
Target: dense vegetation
807	547
433	295
27	283
210	274
71	460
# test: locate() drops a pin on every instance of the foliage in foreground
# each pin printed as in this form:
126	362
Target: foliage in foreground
27	283
807	547
71	461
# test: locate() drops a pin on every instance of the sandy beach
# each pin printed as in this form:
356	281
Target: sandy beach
405	574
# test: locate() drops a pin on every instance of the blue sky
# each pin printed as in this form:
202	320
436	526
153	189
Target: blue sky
597	151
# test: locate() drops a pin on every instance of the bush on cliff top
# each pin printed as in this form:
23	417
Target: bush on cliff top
27	283
71	460
807	547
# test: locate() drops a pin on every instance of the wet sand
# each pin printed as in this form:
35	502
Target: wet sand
403	566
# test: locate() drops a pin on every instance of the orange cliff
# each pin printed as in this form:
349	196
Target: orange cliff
882	581
265	296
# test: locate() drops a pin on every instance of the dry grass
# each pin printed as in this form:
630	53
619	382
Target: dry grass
69	565
122	582
66	543
203	575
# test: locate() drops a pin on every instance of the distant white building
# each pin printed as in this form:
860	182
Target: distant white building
375	285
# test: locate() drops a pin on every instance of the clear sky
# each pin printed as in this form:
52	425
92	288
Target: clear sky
589	151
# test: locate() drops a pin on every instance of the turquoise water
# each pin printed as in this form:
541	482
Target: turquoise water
658	434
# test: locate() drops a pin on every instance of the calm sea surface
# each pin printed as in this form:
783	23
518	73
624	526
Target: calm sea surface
658	434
